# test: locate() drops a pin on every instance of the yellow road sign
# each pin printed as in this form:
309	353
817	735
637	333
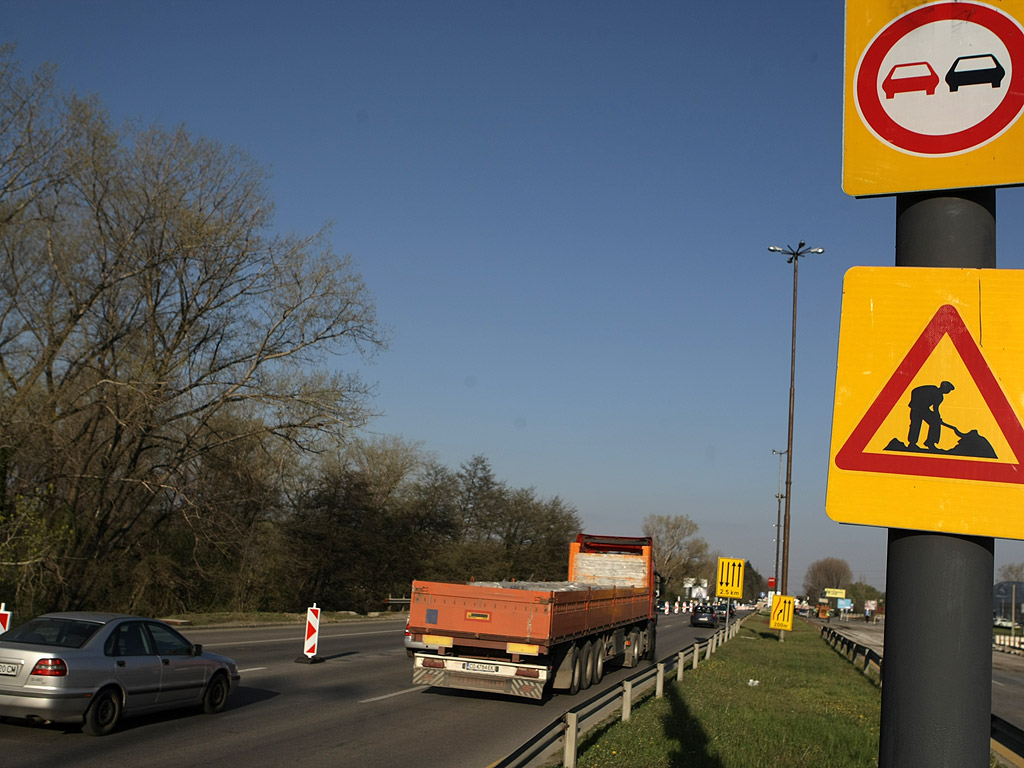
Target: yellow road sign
926	428
782	613
933	95
730	578
831	592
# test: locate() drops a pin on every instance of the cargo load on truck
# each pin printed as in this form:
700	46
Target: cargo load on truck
527	638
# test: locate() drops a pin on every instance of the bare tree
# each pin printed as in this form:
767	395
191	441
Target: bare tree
1011	572
678	552
830	572
143	298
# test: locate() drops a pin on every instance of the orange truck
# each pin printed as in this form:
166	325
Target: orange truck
526	638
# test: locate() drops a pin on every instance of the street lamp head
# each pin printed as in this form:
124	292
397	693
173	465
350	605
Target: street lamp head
774	249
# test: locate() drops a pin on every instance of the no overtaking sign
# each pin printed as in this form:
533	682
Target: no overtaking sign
934	93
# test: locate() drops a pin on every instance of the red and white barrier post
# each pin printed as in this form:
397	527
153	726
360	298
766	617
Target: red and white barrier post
5	618
312	637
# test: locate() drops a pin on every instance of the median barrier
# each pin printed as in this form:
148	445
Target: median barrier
616	701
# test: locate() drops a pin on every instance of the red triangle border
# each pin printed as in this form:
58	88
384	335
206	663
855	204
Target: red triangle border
946	322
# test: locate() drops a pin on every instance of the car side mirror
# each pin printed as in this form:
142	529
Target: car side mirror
197	649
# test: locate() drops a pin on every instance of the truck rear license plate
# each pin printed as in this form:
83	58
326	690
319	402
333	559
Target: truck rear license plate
474	666
9	669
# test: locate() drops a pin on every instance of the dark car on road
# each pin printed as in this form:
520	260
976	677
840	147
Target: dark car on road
94	668
703	616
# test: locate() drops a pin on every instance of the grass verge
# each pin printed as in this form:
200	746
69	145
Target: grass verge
809	707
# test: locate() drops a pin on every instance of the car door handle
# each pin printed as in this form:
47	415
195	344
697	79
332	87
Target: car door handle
166	661
120	662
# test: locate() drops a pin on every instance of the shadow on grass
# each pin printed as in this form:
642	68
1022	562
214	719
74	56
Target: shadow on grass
685	739
687	735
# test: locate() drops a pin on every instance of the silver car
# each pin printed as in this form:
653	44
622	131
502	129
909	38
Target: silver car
94	668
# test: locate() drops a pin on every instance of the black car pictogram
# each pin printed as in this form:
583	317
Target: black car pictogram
975	70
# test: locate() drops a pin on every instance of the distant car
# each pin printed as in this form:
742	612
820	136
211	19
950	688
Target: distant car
95	668
703	616
412	645
1004	623
975	70
907	78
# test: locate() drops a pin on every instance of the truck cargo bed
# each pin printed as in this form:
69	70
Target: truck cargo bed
545	617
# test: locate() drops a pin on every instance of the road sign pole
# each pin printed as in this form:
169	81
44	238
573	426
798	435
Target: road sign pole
937	676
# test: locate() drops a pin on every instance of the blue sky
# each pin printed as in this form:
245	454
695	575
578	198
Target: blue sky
563	211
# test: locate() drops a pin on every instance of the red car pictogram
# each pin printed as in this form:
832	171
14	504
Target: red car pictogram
907	78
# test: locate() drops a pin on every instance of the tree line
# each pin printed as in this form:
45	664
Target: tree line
180	406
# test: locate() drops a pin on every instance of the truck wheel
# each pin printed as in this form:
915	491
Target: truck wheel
599	660
577	671
633	650
652	636
587	662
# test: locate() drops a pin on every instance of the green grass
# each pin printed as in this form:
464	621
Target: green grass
810	708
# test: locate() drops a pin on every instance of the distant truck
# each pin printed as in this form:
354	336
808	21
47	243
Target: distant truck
526	638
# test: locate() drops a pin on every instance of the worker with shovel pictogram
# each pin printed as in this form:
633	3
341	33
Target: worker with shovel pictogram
924	409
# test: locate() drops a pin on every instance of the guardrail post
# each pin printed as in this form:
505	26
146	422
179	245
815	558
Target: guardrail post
627	699
696	654
659	686
569	740
680	663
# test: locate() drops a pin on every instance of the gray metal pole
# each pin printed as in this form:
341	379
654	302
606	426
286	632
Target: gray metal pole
937	673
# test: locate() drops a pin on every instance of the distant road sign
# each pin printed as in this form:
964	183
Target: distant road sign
928	84
730	578
831	592
782	613
927	432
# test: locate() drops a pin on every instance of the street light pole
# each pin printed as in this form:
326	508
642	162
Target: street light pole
794	258
778	517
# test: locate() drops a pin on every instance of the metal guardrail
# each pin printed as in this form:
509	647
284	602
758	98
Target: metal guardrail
595	710
1007	739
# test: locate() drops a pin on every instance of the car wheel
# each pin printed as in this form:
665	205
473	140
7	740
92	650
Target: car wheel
102	715
599	660
216	694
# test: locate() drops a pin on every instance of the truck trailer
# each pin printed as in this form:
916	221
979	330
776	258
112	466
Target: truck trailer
527	638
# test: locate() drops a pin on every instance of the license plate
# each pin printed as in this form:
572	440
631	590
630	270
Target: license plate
473	666
9	669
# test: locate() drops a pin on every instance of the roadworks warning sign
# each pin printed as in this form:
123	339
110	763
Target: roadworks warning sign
927	431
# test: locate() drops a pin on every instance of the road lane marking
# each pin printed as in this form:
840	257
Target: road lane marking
251	669
292	639
389	695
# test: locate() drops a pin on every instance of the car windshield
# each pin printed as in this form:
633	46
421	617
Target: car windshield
66	633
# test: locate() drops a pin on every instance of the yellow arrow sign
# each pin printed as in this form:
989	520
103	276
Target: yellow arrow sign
782	613
730	578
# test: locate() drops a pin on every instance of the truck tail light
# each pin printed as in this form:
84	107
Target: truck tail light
527	672
50	668
434	663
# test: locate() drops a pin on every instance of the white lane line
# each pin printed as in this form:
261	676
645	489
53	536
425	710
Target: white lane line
251	669
292	639
996	682
389	695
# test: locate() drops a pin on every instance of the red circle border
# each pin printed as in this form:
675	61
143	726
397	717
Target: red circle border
978	134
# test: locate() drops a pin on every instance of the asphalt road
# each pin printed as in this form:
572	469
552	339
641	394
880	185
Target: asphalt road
1007	669
357	708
